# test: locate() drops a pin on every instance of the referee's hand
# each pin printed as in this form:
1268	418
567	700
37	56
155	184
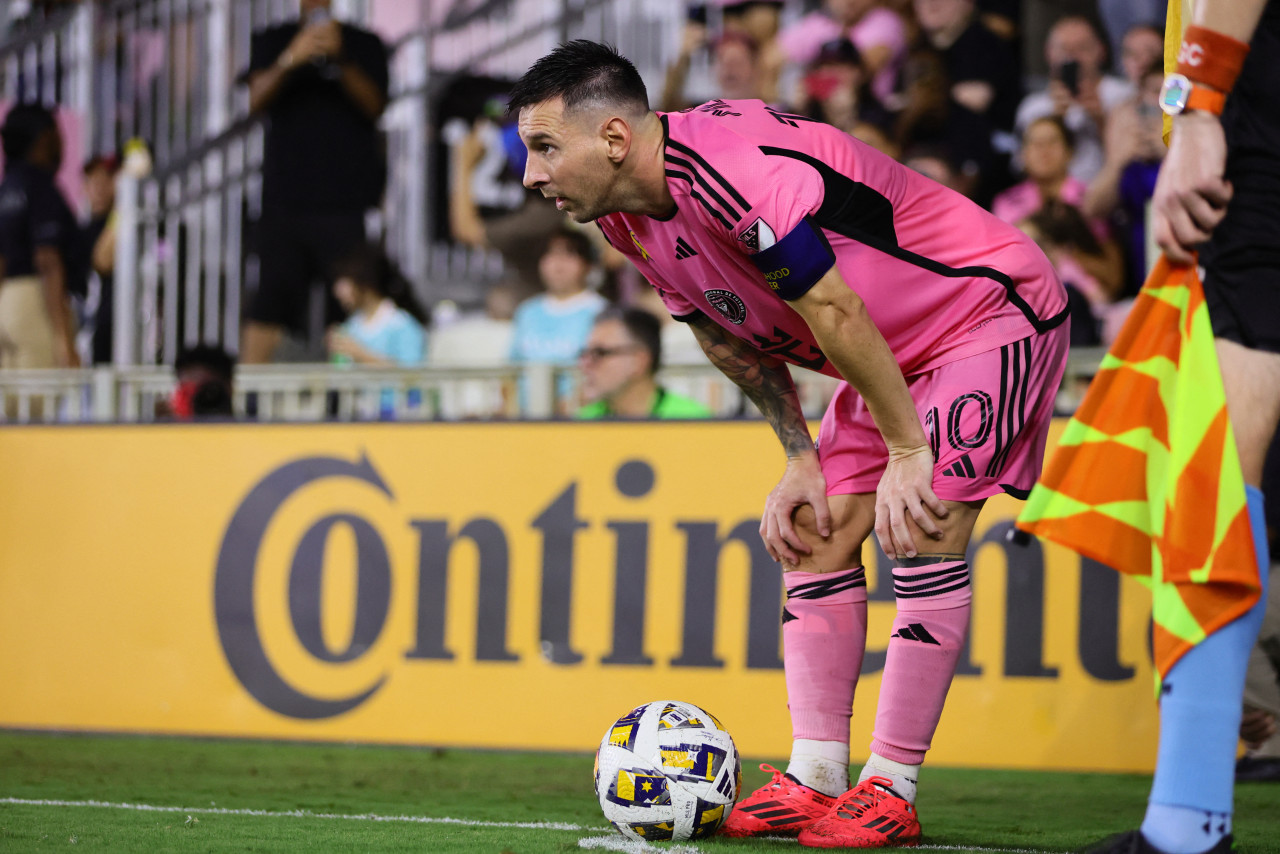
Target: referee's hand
1191	194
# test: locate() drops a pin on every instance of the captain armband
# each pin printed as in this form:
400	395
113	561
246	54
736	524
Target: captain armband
796	262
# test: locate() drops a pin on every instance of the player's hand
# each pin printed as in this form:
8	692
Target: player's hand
1256	726
802	483
1191	194
906	489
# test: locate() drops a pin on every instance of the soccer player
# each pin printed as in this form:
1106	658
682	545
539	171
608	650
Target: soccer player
1218	190
784	241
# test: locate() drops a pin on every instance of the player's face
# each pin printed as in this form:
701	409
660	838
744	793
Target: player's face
610	361
567	159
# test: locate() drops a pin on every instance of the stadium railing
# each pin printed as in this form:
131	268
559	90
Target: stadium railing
325	392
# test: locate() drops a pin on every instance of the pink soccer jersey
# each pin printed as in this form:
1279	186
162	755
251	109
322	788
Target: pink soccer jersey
768	201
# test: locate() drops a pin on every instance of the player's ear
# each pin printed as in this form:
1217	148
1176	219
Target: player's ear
616	134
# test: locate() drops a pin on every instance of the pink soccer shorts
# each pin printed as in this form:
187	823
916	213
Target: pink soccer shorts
986	417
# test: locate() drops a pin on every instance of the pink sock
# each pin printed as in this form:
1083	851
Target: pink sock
924	649
824	633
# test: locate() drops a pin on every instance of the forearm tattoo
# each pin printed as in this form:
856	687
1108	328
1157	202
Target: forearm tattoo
764	379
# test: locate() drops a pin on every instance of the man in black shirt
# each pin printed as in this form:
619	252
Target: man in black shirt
38	239
322	86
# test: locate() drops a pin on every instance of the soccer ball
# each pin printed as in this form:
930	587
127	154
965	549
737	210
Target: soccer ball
667	770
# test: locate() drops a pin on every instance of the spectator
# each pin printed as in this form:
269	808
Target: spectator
836	90
735	59
619	367
479	160
553	326
98	245
1134	149
38	239
482	339
934	162
1121	17
759	20
1078	91
1068	242
879	33
1047	147
205	384
322	86
385	324
931	118
1142	47
980	65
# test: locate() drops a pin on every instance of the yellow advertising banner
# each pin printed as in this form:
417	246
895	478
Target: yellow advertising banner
493	585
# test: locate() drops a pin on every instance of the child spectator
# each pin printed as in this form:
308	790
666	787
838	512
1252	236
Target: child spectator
553	326
385	324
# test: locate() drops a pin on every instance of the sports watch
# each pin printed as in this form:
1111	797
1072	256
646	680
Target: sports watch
1179	94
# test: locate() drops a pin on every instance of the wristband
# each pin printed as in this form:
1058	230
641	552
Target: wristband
1210	58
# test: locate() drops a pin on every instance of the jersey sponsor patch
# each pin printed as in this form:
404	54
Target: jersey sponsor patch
794	264
758	236
728	304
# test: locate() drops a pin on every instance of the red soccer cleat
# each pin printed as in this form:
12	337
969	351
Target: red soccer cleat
782	807
867	816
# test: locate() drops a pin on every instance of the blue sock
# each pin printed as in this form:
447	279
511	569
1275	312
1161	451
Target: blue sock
1191	795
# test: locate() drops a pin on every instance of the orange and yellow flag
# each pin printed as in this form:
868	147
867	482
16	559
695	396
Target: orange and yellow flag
1146	478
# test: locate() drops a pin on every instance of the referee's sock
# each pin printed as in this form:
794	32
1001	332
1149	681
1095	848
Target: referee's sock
1200	706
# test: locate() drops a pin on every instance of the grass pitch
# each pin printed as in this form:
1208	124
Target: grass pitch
109	793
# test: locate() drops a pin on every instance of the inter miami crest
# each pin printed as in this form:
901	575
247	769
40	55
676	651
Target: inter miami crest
729	304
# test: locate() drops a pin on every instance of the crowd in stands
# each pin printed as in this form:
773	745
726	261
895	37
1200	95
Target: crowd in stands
1069	155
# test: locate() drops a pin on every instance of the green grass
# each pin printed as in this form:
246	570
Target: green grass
994	810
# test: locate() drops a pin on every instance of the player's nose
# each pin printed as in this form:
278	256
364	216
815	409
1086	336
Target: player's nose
533	177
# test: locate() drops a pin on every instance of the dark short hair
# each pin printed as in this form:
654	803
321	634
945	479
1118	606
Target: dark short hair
643	327
577	242
1068	135
23	125
581	72
211	357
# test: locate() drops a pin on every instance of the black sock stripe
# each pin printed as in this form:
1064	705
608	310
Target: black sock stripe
855	574
923	593
933	581
922	576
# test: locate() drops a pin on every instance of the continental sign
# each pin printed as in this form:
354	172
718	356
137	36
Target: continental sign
510	586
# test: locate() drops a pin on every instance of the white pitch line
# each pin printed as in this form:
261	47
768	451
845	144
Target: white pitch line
632	846
411	819
610	843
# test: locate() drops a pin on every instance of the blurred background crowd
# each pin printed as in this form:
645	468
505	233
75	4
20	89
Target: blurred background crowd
339	182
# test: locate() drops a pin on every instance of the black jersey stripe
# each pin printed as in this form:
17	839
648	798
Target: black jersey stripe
851	221
710	170
711	209
692	175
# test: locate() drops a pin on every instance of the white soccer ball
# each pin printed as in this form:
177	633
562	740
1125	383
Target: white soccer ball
667	770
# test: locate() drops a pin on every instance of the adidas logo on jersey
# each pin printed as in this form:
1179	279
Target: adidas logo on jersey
963	468
684	250
915	632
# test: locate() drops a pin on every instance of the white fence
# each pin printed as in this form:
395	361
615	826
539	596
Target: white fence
322	392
